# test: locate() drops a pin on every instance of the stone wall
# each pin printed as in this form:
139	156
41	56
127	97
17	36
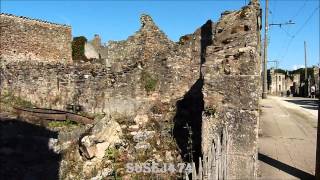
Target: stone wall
231	95
54	85
203	90
25	39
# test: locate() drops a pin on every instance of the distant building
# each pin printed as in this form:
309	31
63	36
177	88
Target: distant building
282	82
296	84
278	83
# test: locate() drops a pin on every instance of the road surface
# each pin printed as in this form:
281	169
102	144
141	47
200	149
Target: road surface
287	138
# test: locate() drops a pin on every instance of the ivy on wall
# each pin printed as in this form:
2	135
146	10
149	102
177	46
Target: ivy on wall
78	44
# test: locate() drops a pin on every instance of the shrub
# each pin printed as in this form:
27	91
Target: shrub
148	81
112	153
78	44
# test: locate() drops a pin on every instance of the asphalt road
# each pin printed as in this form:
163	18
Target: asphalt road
287	138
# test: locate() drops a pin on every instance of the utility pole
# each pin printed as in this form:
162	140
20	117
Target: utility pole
305	62
277	78
318	129
306	71
265	60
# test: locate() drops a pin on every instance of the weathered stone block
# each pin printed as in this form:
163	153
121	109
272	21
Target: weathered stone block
241	167
242	130
236	91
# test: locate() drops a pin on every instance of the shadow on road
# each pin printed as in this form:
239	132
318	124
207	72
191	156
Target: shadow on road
286	168
305	103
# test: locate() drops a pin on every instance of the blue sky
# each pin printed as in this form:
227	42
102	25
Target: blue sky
116	20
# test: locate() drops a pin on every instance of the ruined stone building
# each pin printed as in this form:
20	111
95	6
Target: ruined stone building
161	100
296	83
279	83
26	39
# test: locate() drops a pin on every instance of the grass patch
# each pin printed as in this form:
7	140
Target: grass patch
149	82
112	153
67	123
8	98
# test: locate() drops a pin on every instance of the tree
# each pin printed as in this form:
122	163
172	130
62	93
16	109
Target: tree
78	44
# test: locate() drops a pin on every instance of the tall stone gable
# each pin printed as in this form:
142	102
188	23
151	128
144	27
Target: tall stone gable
25	39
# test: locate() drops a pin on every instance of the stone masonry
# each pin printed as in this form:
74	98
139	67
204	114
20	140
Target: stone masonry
25	39
231	95
202	91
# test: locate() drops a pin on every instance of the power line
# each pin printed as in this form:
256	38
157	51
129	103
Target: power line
300	10
303	25
299	30
287	33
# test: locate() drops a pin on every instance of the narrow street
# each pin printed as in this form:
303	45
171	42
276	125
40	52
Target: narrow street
287	138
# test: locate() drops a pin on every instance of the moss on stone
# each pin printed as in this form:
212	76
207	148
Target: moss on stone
149	82
8	99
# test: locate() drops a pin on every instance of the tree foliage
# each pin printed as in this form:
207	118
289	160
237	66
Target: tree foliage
78	44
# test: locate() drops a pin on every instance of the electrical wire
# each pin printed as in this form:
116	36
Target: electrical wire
303	25
300	10
298	31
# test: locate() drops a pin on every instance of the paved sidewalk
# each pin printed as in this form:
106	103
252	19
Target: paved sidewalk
287	138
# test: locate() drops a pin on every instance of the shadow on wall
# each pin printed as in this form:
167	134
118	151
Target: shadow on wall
188	122
24	151
188	119
206	40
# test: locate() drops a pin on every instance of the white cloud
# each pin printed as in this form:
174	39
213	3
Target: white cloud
297	66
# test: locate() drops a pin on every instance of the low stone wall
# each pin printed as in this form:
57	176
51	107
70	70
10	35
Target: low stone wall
93	87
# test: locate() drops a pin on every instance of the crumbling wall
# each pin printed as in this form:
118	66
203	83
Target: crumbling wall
55	85
206	87
139	90
91	86
231	95
25	39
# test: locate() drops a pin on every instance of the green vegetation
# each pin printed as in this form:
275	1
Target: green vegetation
209	111
280	71
66	123
9	99
149	82
78	44
112	153
301	71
